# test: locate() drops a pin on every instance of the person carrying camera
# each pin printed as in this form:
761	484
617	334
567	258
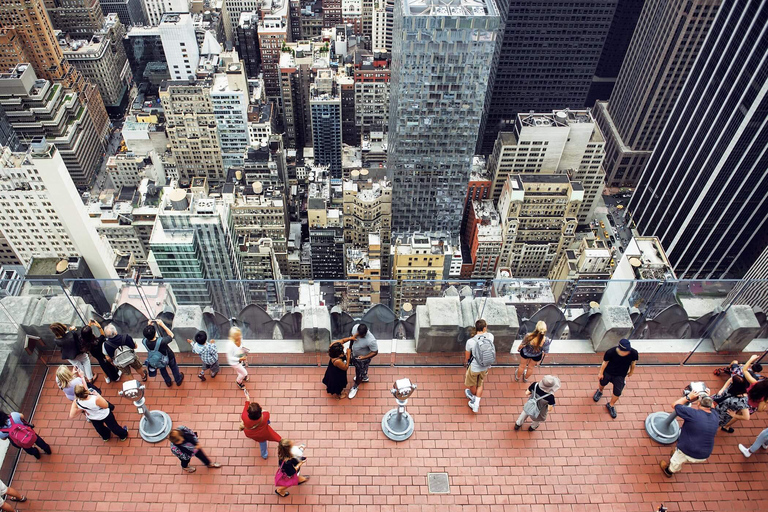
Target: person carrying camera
697	435
159	355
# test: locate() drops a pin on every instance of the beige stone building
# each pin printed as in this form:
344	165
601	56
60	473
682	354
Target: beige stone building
102	60
77	18
192	130
581	273
418	264
538	220
368	210
561	142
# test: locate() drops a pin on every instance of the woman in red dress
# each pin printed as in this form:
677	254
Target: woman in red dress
255	424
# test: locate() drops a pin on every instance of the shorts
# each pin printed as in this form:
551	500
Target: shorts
3	489
361	367
213	367
618	383
474	379
136	365
534	358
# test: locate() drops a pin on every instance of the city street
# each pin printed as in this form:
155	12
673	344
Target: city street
102	180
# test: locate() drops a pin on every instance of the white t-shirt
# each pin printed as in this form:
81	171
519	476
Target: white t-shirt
234	353
92	411
470	346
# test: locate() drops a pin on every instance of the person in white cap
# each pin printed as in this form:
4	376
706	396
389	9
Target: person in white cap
541	401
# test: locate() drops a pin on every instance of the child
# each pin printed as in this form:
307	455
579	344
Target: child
236	355
208	353
185	445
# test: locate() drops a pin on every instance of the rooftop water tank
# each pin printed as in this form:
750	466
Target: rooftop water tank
178	199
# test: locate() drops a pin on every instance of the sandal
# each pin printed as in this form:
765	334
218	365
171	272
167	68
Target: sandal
283	495
144	377
189	470
20	500
729	429
215	465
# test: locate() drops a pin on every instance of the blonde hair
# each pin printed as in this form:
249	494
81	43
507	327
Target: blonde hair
64	376
536	337
235	331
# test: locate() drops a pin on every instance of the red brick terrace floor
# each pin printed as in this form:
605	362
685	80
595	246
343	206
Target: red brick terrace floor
579	460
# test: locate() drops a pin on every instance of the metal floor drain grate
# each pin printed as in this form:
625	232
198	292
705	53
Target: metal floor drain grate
438	483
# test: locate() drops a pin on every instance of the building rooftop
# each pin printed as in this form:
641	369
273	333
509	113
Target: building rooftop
474	8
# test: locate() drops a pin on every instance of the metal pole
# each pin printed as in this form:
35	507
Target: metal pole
643	315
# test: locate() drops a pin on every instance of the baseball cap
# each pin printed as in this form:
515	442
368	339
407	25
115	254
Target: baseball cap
624	344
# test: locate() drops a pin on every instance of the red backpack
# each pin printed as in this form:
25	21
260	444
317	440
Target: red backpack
21	434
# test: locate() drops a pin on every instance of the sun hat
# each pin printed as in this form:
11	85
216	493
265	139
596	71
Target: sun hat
549	384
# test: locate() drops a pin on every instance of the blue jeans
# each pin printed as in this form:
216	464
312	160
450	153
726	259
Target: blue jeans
264	450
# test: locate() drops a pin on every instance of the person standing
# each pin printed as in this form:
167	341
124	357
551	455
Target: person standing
288	473
760	442
21	434
364	348
208	353
72	349
534	346
99	412
479	355
618	363
160	356
120	349
697	435
541	399
254	422
237	356
93	339
732	403
335	378
10	494
67	380
185	445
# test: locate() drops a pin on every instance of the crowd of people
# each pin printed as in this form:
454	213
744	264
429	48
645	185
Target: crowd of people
744	393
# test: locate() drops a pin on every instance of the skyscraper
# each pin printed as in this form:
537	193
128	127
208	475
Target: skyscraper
548	56
8	136
154	9
26	35
77	18
182	52
325	105
704	192
664	47
441	58
615	48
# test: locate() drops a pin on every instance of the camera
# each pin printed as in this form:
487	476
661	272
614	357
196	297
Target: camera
695	387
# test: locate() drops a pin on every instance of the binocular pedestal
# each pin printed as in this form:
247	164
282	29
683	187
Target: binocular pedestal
154	425
397	424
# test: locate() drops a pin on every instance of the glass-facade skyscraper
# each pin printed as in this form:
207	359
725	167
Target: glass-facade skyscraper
441	60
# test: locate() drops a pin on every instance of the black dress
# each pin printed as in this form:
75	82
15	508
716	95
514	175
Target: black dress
335	379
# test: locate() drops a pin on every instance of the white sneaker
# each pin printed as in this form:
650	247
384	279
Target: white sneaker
106	379
473	405
469	395
352	392
745	451
765	446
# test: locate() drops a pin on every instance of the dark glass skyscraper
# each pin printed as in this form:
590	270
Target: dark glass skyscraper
8	136
549	54
614	50
704	192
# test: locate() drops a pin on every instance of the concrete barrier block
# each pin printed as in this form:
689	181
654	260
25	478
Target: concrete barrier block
501	319
186	323
315	329
738	327
613	324
439	328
